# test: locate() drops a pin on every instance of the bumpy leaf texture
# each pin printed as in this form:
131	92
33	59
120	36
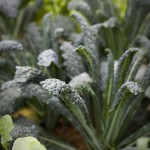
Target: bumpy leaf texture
47	57
10	99
130	87
10	7
72	61
68	94
10	45
80	6
23	75
26	73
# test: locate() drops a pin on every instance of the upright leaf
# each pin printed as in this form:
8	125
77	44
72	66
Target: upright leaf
123	66
125	94
74	102
110	79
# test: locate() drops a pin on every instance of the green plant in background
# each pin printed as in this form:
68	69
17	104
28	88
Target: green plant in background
121	6
6	126
120	34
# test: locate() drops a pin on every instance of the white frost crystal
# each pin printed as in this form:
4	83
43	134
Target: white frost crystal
26	73
47	57
133	87
81	79
10	45
54	86
66	92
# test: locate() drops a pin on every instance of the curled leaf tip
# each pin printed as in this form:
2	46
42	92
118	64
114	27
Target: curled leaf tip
53	86
47	57
10	45
133	87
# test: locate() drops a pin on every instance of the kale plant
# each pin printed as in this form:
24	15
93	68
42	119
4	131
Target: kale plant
114	109
114	32
60	71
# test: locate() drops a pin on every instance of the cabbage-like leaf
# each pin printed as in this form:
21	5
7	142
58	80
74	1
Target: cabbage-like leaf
9	7
24	127
27	143
72	61
47	57
6	126
10	45
142	143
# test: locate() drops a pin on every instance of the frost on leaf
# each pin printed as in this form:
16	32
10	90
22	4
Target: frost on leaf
123	66
127	90
66	94
80	80
25	74
10	100
110	23
10	7
133	87
54	86
72	61
89	34
23	127
10	45
47	57
34	90
80	6
10	84
22	75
